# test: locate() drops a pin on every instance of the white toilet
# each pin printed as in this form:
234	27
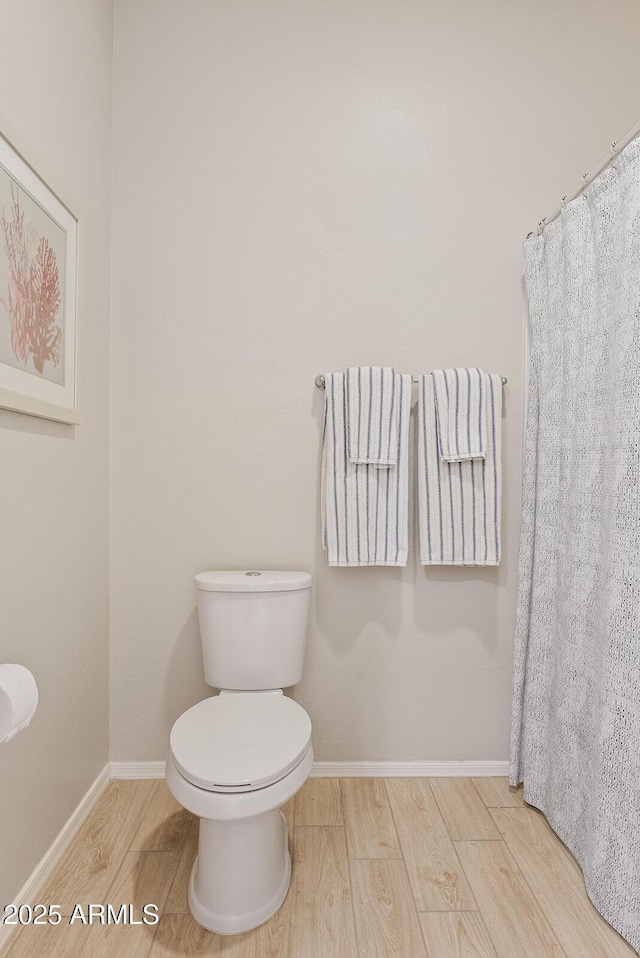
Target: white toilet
236	758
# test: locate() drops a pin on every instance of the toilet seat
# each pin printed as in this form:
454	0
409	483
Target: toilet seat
240	743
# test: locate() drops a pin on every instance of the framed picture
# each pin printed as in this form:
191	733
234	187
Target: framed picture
38	324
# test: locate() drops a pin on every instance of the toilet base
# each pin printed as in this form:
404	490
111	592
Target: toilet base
243	869
247	890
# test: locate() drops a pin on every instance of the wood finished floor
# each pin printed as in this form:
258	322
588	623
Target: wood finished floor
411	867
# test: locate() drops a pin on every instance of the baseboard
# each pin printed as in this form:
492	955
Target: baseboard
348	769
462	769
137	769
31	889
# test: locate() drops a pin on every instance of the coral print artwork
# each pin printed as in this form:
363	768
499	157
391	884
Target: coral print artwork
32	270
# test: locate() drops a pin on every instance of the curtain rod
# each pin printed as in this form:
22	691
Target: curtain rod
320	383
587	178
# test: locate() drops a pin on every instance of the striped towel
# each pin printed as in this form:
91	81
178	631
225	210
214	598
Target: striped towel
365	515
459	502
461	413
372	421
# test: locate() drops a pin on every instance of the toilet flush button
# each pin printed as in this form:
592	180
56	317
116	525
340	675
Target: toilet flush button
253	573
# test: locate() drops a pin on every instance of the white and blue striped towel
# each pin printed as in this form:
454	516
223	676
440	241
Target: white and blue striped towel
459	502
372	415
461	413
365	514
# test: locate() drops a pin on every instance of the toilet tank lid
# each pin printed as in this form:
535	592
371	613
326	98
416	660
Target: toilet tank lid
253	580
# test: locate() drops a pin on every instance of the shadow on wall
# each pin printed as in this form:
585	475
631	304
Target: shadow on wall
184	681
476	613
35	426
395	603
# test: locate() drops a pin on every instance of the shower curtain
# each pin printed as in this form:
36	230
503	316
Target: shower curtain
576	710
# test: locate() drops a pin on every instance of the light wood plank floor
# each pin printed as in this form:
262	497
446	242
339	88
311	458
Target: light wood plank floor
416	868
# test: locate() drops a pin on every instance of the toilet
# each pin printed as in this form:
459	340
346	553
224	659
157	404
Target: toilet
237	757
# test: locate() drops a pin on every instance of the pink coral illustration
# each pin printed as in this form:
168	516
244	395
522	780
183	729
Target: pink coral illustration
46	336
33	295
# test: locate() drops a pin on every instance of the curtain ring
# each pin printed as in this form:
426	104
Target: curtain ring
614	154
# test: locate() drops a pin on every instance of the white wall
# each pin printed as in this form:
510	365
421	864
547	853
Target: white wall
55	101
298	187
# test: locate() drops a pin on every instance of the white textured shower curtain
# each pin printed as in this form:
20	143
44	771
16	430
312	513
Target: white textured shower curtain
576	712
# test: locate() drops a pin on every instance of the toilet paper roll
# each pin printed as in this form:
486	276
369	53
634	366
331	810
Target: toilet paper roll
18	700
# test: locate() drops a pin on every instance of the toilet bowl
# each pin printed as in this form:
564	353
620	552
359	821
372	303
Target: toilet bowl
234	760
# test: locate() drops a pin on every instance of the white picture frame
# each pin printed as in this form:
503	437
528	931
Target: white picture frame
38	294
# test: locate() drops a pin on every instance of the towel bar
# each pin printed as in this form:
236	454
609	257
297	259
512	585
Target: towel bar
320	383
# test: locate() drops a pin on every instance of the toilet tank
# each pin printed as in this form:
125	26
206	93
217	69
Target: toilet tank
253	628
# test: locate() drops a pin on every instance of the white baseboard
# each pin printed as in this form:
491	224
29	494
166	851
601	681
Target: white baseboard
347	769
461	769
30	890
137	769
